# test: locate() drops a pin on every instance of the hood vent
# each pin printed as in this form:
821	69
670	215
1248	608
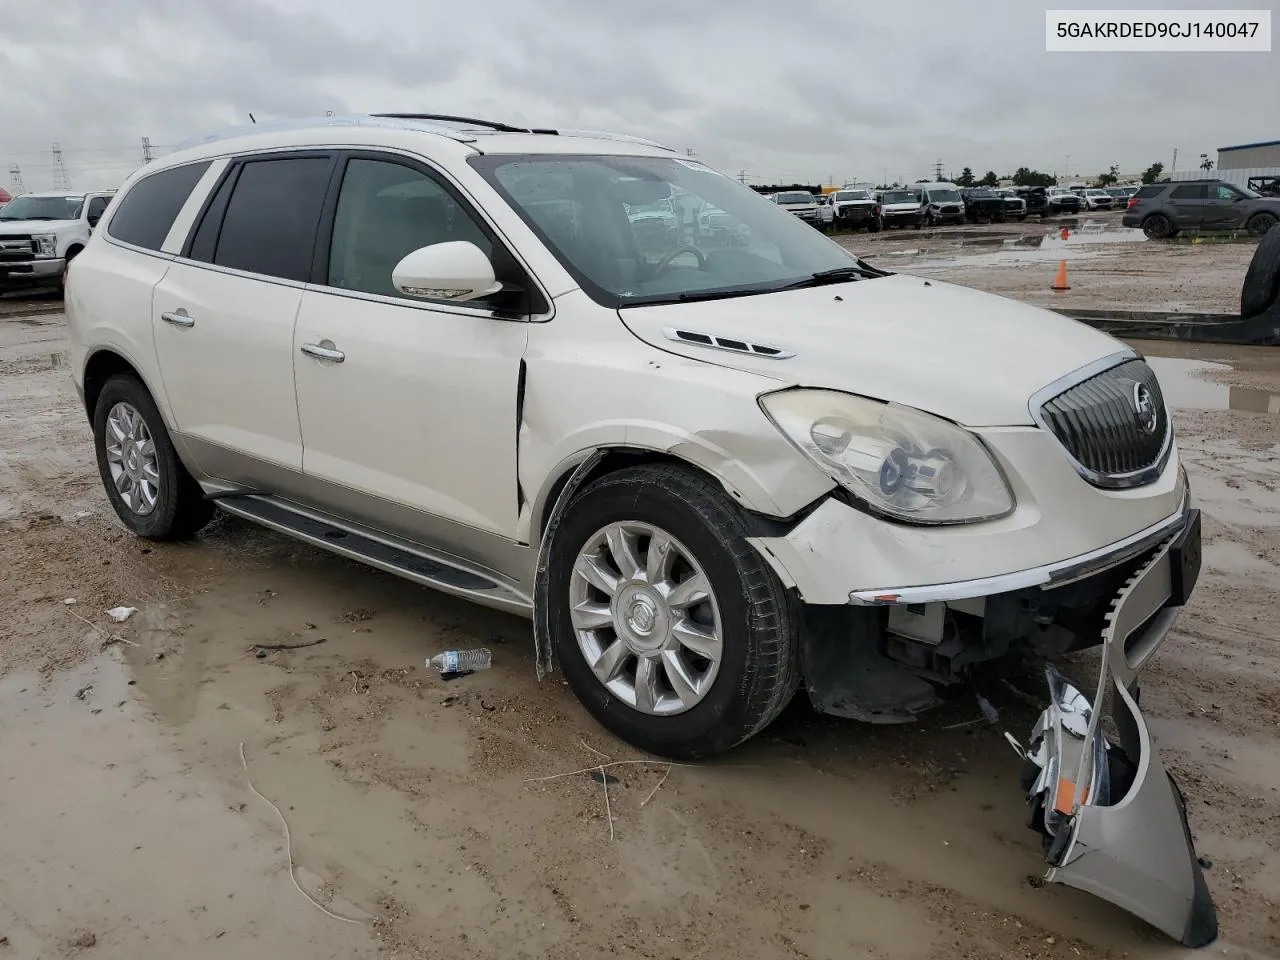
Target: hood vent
727	343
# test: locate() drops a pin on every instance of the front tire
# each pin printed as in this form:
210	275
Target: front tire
1261	223
671	629
150	489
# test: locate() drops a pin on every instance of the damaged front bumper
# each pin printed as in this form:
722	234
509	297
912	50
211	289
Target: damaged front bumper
1113	819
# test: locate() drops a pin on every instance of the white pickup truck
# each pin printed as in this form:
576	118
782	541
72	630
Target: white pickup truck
40	233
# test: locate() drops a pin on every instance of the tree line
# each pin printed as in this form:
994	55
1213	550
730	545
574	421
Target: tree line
1026	177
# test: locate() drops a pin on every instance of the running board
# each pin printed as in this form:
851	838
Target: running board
380	551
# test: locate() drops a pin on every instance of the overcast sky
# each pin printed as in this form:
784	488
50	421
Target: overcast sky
785	91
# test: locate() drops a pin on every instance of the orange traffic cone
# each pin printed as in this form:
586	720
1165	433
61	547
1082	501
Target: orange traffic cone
1061	282
1065	233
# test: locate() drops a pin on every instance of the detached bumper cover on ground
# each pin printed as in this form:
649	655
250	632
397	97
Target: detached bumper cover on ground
1114	821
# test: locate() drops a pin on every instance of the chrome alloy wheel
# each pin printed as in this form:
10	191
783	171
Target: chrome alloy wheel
646	618
131	458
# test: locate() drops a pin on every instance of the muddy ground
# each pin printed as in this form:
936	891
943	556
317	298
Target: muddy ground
130	830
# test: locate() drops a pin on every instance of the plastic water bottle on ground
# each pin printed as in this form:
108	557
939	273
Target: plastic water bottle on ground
461	661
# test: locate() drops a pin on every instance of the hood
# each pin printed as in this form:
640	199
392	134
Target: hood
10	227
968	356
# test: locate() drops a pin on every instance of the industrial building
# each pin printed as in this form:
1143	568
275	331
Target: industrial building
1249	155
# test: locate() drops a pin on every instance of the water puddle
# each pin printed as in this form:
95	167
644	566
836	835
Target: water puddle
1186	388
1081	243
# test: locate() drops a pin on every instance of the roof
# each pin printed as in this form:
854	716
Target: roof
1246	146
480	136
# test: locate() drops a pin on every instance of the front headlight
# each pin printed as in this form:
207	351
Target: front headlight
900	461
46	245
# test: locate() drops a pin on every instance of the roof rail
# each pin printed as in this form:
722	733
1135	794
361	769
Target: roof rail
275	126
466	121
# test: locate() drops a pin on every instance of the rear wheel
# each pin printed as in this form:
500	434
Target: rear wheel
1260	223
150	489
670	628
1157	226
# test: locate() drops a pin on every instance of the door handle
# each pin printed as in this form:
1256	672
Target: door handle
178	319
323	351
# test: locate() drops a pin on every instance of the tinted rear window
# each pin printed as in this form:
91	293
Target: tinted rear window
1192	191
144	215
271	219
1149	191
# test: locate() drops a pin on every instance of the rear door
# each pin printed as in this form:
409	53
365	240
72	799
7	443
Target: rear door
224	315
1186	205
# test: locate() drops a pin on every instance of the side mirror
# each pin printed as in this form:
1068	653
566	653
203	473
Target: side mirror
456	270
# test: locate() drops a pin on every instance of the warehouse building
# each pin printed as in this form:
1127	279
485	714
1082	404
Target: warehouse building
1248	155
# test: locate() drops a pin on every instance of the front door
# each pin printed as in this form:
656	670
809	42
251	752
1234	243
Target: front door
1223	208
223	319
1187	205
408	407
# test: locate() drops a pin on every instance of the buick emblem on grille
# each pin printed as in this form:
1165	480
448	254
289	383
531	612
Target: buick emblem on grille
1144	405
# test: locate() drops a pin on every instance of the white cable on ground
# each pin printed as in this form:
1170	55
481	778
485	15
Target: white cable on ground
288	842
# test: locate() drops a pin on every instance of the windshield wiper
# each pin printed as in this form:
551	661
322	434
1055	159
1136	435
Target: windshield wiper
836	275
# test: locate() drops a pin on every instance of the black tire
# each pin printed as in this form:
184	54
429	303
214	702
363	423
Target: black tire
875	226
180	509
1262	280
1260	224
1158	226
759	668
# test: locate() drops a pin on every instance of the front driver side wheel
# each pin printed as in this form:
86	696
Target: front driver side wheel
670	628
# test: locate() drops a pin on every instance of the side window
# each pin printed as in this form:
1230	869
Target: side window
272	215
145	213
1149	191
385	211
98	206
1192	191
1225	192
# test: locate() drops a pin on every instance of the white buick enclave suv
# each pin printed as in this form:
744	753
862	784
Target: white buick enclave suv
710	473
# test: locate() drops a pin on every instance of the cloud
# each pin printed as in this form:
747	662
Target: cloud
801	92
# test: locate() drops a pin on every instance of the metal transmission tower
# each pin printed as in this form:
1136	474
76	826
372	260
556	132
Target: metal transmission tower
60	179
146	150
937	171
15	178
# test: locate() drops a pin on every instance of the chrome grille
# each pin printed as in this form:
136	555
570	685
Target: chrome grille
1114	425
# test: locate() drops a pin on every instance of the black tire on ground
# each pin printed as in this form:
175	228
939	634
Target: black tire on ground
1158	226
1261	224
759	670
1262	280
181	508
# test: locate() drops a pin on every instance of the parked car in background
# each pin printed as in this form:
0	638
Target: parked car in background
982	203
801	203
1097	199
654	225
41	233
1164	209
1060	200
826	211
1120	195
1265	186
942	203
901	208
1015	205
719	229
856	208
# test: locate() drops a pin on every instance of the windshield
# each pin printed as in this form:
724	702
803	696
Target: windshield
981	193
900	196
852	195
42	208
577	205
944	196
785	198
